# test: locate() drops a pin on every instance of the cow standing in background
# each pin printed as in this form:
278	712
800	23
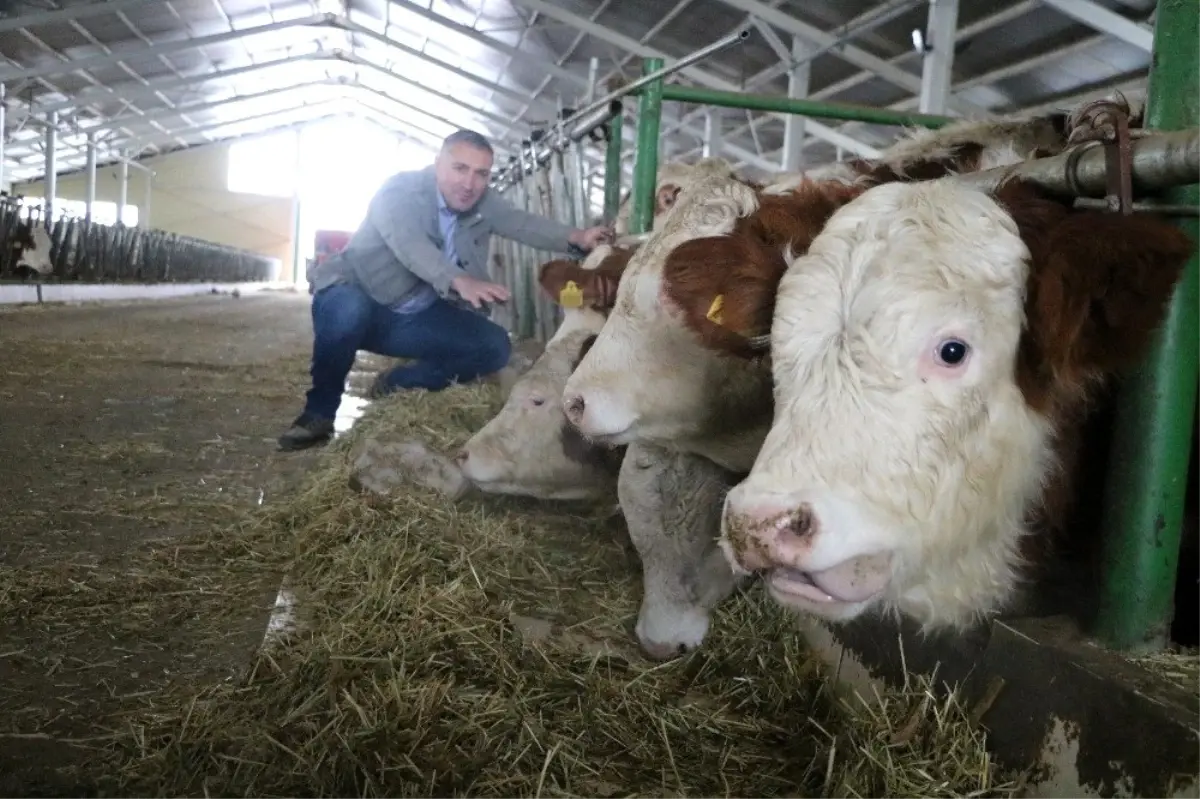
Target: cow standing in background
31	246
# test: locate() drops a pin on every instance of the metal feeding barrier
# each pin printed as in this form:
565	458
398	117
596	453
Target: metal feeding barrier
549	177
83	251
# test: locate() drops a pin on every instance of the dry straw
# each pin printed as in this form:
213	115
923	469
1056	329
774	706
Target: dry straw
484	648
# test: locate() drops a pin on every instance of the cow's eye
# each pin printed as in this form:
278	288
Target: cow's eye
952	352
537	402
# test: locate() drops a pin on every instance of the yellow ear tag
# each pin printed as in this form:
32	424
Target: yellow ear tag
571	296
714	310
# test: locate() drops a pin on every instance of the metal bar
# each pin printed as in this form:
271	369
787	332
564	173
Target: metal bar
3	131
939	58
597	106
68	14
89	196
712	134
1159	161
51	184
122	191
612	170
144	213
645	167
724	43
794	125
1148	467
1106	20
514	53
163	48
809	108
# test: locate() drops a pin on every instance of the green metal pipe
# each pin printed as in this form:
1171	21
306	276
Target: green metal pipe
612	169
1147	479
808	108
645	165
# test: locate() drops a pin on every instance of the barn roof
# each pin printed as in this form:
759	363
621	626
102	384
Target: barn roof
152	76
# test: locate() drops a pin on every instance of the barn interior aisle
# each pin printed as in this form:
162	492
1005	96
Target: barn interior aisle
138	439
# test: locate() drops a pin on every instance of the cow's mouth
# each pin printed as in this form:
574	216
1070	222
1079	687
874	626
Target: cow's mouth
821	587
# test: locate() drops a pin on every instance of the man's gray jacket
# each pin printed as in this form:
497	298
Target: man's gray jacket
399	244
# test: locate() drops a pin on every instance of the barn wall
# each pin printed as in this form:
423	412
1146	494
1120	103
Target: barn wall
189	197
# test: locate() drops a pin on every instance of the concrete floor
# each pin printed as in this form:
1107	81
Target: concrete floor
116	420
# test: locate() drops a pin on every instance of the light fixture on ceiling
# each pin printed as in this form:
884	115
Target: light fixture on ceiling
918	41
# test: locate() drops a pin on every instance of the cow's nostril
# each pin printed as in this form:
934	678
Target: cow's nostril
575	406
802	522
461	457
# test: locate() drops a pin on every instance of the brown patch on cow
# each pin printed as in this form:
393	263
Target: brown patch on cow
576	447
598	286
744	267
960	159
1097	291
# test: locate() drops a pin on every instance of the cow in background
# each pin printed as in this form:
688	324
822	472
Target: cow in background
31	245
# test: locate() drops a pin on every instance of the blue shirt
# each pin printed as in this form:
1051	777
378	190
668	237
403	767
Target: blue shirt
423	295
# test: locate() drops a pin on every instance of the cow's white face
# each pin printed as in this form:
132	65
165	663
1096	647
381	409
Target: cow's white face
903	457
520	450
647	377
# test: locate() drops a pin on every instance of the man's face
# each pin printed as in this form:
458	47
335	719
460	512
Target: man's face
462	174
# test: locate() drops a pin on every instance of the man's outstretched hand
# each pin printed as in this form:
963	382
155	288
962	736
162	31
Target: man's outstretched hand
477	291
590	238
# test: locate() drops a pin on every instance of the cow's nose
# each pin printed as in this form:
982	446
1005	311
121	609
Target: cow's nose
461	457
757	527
574	406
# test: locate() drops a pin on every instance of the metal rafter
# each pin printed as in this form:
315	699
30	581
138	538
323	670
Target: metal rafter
1106	21
699	75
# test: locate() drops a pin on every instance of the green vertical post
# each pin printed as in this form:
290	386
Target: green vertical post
612	168
645	165
1147	479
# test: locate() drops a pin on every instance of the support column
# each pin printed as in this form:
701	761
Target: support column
794	126
612	169
90	188
123	190
939	56
144	214
645	165
713	144
3	133
1147	480
50	182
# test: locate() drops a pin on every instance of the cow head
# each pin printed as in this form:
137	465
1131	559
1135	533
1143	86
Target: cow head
523	449
925	351
673	178
660	369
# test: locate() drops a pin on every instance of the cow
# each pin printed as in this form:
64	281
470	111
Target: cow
676	369
701	288
522	450
31	250
673	178
932	353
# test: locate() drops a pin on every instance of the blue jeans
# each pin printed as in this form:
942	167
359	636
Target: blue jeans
448	343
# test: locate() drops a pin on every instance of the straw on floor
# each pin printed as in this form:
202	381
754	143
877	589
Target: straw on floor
485	648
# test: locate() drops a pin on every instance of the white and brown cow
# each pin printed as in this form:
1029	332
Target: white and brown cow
932	351
524	449
673	369
704	282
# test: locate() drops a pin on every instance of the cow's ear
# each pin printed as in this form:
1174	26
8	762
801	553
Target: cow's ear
665	197
566	283
1097	289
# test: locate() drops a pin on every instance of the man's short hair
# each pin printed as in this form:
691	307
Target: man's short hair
471	137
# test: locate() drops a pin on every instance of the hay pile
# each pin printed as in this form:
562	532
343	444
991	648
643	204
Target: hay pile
485	648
